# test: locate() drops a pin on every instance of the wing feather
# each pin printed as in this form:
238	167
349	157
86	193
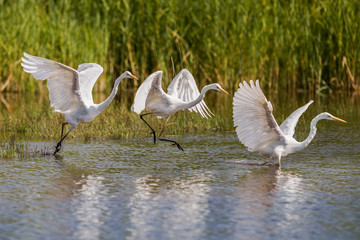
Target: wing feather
184	87
63	81
143	91
255	124
288	126
88	73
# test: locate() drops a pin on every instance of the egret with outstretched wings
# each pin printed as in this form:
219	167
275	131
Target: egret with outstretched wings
70	90
257	128
182	94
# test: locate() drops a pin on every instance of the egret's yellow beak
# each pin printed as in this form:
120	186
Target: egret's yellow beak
134	77
223	90
338	119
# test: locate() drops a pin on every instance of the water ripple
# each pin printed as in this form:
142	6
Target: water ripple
133	189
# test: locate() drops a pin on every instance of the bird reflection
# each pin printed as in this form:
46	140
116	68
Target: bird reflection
258	186
265	194
176	205
89	207
85	196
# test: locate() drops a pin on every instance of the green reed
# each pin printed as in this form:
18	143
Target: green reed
287	44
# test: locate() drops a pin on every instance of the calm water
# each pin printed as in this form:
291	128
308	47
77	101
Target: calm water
131	189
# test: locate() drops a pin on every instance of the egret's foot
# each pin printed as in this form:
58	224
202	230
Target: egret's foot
267	163
178	145
174	143
249	163
271	164
57	148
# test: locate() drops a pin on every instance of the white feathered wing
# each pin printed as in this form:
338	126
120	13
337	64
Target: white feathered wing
288	126
184	87
89	73
143	92
68	88
255	124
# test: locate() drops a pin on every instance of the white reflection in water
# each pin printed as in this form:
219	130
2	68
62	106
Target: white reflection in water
291	194
171	208
268	194
89	207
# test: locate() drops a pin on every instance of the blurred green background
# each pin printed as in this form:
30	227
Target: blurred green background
289	45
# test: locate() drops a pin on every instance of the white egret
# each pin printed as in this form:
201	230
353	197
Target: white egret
182	94
70	90
258	130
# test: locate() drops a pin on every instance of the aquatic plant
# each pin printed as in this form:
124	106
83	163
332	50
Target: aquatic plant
18	149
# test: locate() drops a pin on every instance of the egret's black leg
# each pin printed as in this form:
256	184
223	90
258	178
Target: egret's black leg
62	128
58	145
153	132
167	140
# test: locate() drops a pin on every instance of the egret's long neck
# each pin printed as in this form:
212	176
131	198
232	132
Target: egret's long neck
198	99
312	131
102	106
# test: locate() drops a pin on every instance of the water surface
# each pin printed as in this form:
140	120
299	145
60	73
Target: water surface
132	189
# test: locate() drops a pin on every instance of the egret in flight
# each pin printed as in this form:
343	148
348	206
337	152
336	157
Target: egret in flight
257	129
70	90
182	94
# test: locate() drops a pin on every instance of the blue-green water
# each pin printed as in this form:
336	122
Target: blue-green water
132	189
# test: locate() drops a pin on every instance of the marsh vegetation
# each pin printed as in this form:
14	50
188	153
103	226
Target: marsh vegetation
289	45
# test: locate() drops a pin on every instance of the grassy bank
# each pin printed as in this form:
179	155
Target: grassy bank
33	119
287	44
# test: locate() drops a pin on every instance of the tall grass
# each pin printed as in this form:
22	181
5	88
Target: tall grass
287	44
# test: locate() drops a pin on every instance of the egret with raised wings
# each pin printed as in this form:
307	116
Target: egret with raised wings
258	130
70	90
182	94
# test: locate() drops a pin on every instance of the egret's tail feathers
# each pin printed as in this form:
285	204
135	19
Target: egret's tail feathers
202	109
